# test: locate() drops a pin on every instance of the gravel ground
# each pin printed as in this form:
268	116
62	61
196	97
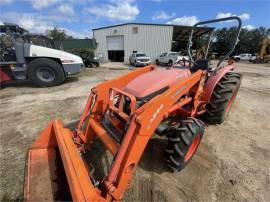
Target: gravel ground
232	163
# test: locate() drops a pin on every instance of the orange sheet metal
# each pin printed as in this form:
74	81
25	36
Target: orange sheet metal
38	175
124	146
80	184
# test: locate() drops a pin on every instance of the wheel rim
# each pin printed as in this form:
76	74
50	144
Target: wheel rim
45	74
193	147
231	101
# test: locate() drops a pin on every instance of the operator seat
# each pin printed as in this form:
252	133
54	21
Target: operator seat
202	64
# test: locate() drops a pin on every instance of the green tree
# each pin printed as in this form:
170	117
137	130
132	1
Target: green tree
250	40
224	38
57	34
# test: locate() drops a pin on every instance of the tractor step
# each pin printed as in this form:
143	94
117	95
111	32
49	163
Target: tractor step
19	73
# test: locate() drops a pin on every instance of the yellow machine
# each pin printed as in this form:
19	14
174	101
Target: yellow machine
264	54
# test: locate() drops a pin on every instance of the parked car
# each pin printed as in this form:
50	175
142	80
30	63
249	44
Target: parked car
170	58
252	57
244	56
139	59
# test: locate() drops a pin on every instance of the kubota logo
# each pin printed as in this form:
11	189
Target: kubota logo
155	115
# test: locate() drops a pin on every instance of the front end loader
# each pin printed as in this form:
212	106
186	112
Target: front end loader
124	114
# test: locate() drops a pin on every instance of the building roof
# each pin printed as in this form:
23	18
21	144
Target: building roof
132	23
181	32
76	43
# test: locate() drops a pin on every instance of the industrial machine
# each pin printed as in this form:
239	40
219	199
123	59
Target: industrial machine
20	59
124	114
263	55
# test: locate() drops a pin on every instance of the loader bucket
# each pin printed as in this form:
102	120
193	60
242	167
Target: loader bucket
55	170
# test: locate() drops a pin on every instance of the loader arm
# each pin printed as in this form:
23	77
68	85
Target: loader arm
146	119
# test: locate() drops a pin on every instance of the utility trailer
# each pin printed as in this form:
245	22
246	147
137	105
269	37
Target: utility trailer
20	59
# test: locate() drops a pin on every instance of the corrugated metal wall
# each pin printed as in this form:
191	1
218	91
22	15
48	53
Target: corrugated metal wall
150	39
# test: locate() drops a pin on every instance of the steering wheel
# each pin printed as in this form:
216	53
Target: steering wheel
183	62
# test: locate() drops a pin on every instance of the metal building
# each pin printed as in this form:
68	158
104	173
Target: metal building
117	42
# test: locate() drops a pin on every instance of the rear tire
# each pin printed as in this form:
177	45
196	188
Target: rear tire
45	72
183	141
157	62
222	98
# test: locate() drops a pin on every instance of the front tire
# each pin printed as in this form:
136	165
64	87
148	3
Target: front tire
223	98
157	62
183	141
45	72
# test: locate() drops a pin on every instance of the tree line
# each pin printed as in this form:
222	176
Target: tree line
249	40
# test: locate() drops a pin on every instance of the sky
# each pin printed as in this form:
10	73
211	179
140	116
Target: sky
78	17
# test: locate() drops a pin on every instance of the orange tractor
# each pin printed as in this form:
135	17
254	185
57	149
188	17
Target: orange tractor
124	114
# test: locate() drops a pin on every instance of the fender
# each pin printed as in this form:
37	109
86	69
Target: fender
213	81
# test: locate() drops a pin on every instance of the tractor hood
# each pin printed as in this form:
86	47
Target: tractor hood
154	81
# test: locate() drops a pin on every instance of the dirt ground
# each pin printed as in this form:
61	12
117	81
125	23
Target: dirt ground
231	164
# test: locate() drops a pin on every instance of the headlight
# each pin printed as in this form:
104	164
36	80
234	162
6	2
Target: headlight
67	61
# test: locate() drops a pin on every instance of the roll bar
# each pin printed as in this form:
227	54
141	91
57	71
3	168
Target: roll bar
214	21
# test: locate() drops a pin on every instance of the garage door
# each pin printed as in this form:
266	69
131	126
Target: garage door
115	43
